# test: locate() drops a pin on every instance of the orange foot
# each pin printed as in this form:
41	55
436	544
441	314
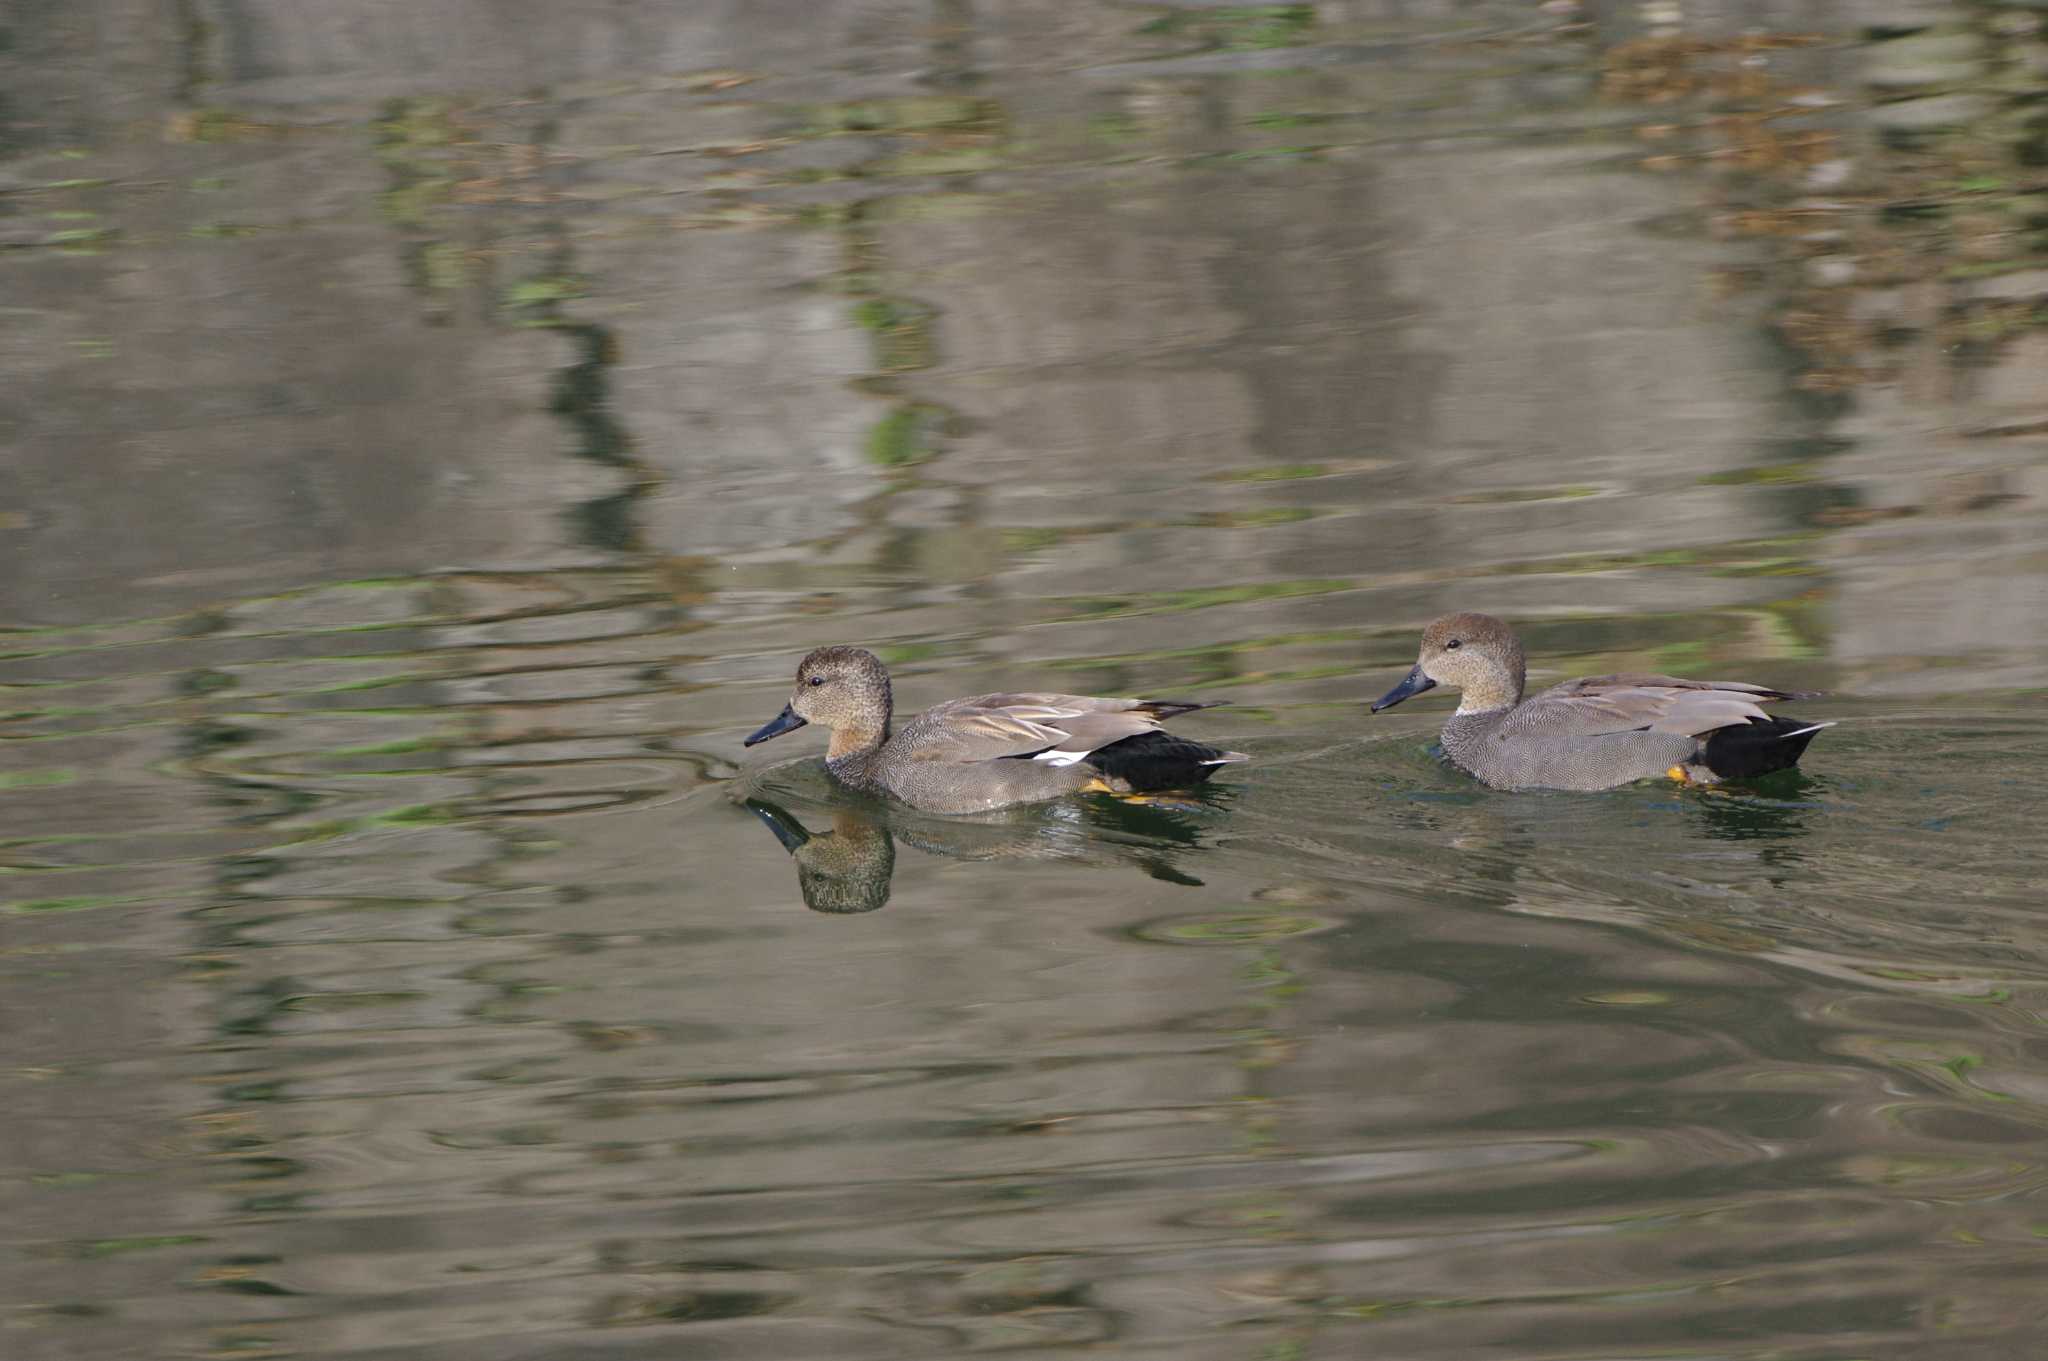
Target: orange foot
1117	789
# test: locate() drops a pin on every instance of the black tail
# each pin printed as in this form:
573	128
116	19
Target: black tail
1152	761
1757	747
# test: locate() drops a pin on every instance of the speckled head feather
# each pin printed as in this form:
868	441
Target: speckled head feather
843	688
1475	653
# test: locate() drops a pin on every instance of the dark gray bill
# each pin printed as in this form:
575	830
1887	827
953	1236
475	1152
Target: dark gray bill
786	721
787	829
1412	684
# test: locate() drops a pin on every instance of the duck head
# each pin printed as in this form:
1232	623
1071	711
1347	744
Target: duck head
1473	653
845	689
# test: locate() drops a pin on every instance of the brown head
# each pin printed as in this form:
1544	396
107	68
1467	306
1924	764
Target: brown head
1475	653
845	689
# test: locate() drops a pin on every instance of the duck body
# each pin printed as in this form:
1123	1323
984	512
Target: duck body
1599	731
1566	738
985	752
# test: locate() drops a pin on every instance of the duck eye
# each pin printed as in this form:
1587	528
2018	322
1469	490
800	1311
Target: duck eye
816	680
1451	644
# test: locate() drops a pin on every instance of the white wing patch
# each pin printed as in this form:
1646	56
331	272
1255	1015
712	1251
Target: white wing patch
1056	757
1035	712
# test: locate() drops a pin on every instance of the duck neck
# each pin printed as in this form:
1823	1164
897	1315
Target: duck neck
856	744
854	747
858	740
1490	694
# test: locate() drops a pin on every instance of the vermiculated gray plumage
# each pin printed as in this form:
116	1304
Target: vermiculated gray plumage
1598	731
987	751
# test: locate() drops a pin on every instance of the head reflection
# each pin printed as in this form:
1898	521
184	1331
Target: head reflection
847	869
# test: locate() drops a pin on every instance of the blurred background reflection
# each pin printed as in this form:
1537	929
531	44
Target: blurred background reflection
435	431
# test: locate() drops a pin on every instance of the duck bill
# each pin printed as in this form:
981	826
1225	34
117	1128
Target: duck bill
786	721
1412	684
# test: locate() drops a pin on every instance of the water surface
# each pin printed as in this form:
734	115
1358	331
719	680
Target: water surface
436	437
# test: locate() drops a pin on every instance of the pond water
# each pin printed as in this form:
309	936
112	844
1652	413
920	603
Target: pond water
436	434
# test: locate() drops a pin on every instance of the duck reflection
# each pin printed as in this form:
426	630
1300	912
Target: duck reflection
1771	809
849	867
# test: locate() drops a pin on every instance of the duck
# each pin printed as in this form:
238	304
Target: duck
1597	732
984	752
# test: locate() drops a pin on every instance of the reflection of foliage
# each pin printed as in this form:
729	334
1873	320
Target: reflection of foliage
906	436
542	292
414	140
1241	928
1238	28
1175	602
901	331
916	113
1277	472
1947	178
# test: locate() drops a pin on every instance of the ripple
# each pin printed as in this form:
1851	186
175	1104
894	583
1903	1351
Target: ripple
1232	928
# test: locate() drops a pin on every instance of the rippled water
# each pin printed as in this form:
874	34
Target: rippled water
442	437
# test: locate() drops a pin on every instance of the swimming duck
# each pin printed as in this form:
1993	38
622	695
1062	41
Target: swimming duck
987	751
1599	731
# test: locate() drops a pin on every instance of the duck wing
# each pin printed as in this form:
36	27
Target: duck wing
1597	705
1058	728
